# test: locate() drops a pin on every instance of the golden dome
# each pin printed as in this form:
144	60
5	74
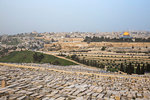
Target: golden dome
126	33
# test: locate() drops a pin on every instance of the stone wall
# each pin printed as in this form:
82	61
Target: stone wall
80	45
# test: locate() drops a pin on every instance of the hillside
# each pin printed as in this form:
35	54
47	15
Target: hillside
28	57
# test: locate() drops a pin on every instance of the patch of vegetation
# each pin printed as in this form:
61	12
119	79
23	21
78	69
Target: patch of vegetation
103	48
124	64
112	69
34	57
93	63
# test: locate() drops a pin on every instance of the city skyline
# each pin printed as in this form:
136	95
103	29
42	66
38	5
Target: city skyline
73	15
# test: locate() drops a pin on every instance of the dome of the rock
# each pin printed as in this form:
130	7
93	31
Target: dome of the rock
126	34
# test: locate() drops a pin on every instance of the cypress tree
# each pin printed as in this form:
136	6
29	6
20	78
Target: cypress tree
129	69
148	68
122	67
138	71
87	62
132	69
143	69
125	68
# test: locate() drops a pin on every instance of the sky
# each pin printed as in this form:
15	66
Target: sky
20	16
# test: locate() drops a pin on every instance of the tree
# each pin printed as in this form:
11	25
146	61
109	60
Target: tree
143	69
130	69
138	70
87	62
35	57
14	48
103	48
40	57
56	62
148	68
102	66
73	57
121	67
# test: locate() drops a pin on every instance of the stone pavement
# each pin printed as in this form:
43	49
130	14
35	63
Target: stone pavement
36	84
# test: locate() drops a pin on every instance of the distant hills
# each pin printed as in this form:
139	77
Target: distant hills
34	57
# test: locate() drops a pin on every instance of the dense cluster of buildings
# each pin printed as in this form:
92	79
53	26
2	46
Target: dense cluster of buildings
55	41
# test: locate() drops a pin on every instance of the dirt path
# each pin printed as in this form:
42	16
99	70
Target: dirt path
70	60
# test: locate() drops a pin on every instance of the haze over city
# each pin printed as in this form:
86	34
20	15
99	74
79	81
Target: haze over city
17	16
74	50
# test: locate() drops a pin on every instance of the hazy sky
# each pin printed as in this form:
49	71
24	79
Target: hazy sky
18	16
